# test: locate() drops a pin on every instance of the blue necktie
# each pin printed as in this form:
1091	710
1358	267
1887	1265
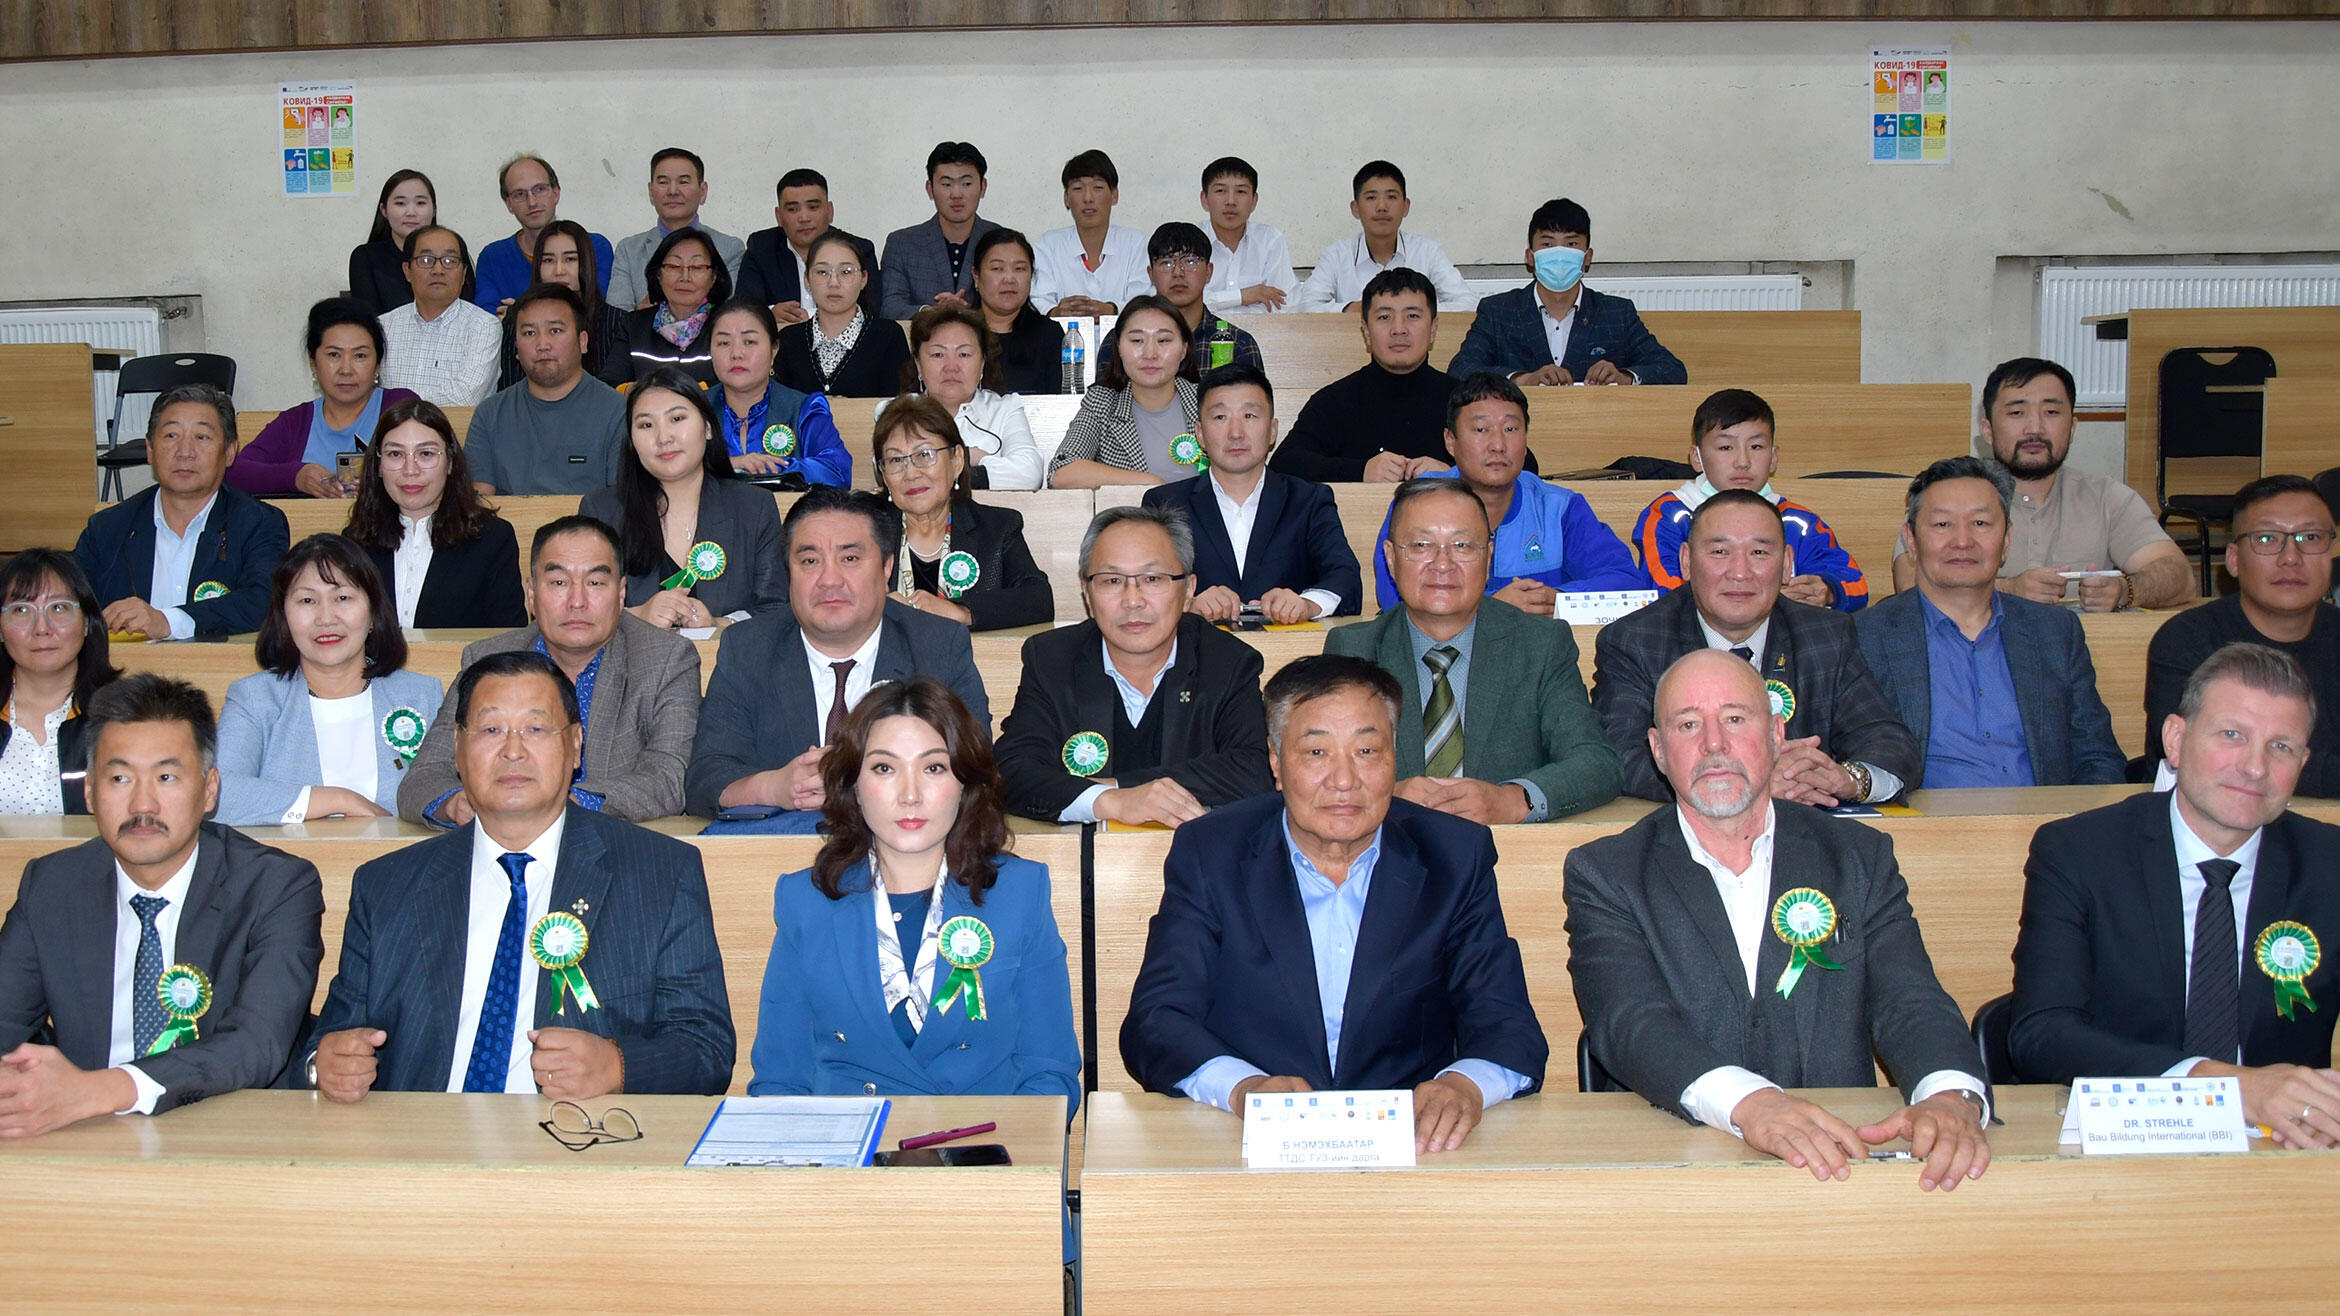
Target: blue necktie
146	1009
491	1045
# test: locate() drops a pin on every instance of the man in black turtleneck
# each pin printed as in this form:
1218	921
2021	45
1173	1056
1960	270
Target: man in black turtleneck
1387	422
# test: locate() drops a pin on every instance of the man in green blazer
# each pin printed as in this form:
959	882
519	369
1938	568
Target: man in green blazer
1496	726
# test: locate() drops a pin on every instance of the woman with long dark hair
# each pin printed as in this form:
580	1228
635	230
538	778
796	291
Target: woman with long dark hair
449	561
53	657
1136	424
1031	346
377	266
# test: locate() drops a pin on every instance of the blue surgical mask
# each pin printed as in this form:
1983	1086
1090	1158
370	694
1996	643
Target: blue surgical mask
1558	268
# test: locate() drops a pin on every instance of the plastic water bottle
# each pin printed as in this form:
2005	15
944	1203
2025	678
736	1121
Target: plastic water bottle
1220	344
1068	378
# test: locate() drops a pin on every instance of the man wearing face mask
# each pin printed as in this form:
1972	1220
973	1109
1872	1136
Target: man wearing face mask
1557	331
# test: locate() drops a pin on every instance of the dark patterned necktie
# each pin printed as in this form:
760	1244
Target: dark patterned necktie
837	709
2214	986
147	1015
1442	734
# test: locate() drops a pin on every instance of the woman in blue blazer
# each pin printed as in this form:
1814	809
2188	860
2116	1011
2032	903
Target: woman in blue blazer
329	724
945	976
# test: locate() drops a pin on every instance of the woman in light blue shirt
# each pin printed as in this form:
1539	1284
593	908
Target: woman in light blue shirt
329	724
299	452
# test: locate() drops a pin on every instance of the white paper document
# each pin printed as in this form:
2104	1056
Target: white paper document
792	1131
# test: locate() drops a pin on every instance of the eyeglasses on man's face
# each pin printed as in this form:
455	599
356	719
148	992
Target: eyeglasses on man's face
1114	582
2267	543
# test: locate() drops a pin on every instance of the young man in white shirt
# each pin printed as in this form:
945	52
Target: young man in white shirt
1093	266
1380	205
1252	263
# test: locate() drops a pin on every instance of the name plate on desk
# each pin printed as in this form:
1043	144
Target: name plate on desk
1600	607
1327	1130
2155	1116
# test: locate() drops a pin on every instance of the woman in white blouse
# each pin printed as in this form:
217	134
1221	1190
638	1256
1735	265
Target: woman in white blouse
958	363
55	657
449	561
331	721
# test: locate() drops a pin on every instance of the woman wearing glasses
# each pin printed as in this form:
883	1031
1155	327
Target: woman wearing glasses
957	362
959	558
771	431
54	659
841	350
1136	426
329	724
564	255
300	451
687	281
449	561
915	956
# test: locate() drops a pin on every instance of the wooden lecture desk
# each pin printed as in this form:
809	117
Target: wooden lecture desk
1603	1203
429	1202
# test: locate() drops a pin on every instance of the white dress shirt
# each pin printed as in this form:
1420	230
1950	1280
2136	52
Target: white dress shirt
174	561
824	680
491	895
1263	257
450	361
410	565
1240	518
1345	268
2192	853
1746	900
1083	809
122	1046
1883	785
1060	268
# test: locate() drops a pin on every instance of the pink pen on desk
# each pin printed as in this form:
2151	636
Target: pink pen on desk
946	1135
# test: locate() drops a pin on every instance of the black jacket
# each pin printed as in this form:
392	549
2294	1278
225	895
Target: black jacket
767	273
472	586
1010	588
242	542
377	276
72	756
1031	355
640	349
873	369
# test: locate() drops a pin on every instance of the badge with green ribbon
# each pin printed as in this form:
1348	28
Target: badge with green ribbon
403	732
1783	700
965	944
1084	754
779	440
705	561
2288	953
186	994
958	572
208	590
558	944
1803	918
1187	450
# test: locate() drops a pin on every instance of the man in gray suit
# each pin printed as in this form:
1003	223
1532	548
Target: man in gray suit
1998	690
1497	728
928	264
216	934
638	685
1694	994
784	683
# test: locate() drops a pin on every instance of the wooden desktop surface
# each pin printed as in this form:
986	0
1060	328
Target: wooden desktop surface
1621	1207
2302	426
429	1202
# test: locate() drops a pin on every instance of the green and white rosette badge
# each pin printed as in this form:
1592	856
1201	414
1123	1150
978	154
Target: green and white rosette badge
965	945
186	995
1084	754
558	944
779	440
705	561
1803	918
1783	699
1187	450
959	572
209	590
2288	953
403	732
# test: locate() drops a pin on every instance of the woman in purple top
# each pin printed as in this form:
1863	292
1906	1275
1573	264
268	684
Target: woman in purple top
298	452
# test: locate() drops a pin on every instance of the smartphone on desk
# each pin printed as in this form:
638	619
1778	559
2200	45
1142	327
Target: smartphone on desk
981	1153
748	812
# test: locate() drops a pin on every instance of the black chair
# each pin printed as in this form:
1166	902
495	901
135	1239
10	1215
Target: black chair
1590	1076
1991	1024
2213	404
154	374
2328	484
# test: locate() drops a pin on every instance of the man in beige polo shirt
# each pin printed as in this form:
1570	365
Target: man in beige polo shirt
2067	521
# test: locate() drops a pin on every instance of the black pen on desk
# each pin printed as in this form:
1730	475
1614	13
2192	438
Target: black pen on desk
946	1135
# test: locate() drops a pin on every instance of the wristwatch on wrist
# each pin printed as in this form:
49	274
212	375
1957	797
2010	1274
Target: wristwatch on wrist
311	1070
1980	1106
1859	772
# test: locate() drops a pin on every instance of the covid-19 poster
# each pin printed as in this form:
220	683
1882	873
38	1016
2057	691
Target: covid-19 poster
320	137
1909	119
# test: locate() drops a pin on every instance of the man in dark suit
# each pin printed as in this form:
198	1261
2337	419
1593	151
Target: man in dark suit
931	264
1334	937
1145	713
1557	331
188	556
2166	934
1262	539
783	683
637	683
1692	993
773	270
1494	725
1997	690
539	948
164	902
1845	744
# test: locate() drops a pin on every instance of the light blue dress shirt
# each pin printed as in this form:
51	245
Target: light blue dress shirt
326	444
174	561
1083	809
1458	676
1975	736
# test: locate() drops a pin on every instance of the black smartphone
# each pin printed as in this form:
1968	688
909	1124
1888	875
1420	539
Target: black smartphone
748	812
979	1153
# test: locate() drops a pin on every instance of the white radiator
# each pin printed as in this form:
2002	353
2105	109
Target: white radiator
2101	368
1716	292
129	330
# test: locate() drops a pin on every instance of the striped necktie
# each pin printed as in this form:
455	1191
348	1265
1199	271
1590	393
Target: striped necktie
1442	733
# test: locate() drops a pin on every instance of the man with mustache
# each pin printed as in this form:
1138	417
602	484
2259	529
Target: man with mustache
1694	994
168	960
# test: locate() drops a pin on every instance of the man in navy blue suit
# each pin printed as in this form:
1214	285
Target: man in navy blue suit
1332	936
540	947
1262	538
1557	331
